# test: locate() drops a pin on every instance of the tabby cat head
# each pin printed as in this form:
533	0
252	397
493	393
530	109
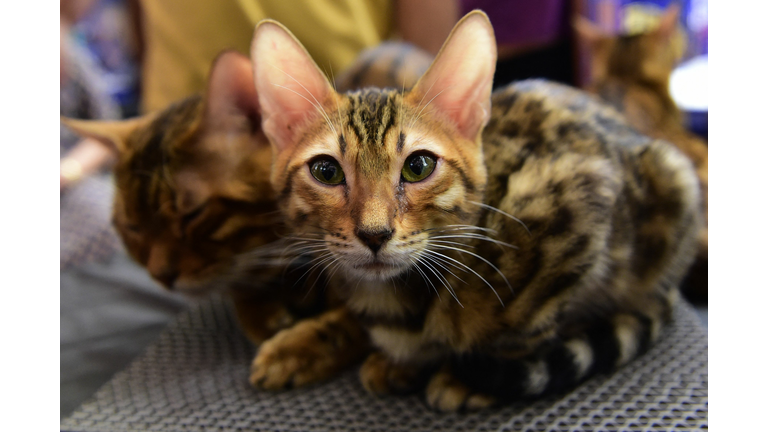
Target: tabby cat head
648	57
193	180
366	176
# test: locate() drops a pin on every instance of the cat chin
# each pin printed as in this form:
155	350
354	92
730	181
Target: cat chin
376	272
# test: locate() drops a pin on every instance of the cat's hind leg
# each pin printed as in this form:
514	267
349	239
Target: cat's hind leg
447	393
382	376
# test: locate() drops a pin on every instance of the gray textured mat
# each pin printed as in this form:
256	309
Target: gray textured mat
194	378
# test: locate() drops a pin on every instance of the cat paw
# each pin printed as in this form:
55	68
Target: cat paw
288	360
380	376
313	350
446	393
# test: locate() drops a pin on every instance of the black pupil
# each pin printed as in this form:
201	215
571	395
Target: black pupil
418	164
327	170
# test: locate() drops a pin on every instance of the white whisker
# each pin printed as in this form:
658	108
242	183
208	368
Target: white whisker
486	206
470	270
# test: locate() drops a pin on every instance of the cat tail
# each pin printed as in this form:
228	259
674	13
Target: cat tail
602	347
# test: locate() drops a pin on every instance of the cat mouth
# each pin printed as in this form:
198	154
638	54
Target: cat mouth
377	269
376	265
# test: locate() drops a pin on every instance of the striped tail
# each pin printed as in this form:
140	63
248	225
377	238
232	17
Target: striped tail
560	365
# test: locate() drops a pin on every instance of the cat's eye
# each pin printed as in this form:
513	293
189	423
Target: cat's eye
326	170
418	167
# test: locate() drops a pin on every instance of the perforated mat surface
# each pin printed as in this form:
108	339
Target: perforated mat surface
194	378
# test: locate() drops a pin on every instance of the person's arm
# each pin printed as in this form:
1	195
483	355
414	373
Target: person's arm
87	157
426	23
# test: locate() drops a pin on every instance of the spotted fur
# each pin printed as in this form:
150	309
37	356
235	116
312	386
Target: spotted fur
631	73
541	251
195	207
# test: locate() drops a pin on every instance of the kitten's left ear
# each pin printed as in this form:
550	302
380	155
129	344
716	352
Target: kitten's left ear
458	84
231	96
668	21
292	90
113	134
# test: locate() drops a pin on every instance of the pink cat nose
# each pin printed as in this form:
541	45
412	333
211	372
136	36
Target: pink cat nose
374	239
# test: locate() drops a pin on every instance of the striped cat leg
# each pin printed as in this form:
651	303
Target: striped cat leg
313	350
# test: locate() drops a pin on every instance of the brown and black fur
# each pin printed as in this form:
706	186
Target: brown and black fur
631	73
195	207
542	251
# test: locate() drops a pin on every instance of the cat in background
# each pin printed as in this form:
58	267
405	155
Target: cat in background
631	73
494	247
193	200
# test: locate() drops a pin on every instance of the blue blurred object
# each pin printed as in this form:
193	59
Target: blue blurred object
688	83
106	34
628	16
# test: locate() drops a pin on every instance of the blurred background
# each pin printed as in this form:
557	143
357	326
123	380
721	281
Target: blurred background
122	58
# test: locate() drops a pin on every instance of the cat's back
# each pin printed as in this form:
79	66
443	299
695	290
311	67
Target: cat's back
591	193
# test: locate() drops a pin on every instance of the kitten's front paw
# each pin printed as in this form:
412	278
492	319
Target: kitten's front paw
381	376
313	350
446	393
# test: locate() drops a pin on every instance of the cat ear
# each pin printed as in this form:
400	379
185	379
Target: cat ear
113	134
587	31
458	84
668	21
231	96
292	90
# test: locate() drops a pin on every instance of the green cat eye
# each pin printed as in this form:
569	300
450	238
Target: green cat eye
327	170
418	167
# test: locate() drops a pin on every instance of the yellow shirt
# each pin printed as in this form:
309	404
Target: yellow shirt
182	37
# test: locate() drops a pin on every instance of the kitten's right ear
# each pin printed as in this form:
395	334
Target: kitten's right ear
588	32
231	96
113	134
291	88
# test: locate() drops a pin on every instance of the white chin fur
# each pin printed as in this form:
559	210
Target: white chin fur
378	274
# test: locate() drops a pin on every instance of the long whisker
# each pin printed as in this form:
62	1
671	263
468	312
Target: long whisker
445	282
478	237
471	270
423	276
486	206
320	260
482	259
437	261
450	228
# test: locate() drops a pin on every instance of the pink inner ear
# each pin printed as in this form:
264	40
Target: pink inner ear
290	87
458	84
231	96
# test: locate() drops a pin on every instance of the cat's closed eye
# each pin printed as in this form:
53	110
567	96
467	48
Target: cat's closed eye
326	170
190	216
418	167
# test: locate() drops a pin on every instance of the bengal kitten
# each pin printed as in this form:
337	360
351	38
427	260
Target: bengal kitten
631	73
486	262
193	200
